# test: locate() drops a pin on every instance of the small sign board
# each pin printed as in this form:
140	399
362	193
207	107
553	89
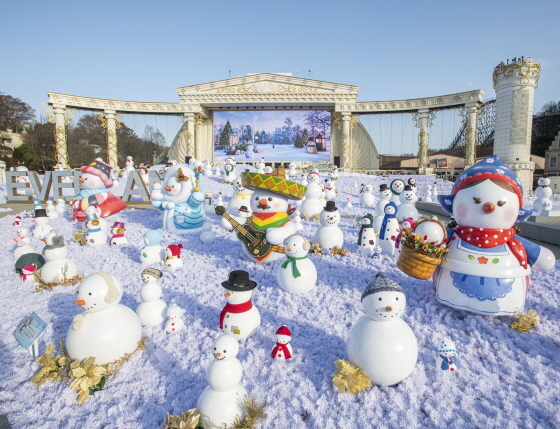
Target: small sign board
30	330
441	162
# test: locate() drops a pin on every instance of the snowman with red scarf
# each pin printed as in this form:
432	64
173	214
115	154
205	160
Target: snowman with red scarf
282	349
487	268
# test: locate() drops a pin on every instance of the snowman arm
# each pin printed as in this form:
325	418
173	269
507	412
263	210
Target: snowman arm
277	235
157	204
540	258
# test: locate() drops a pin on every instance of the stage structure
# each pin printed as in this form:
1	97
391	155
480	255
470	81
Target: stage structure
350	145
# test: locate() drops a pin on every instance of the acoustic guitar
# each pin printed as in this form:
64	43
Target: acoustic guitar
255	241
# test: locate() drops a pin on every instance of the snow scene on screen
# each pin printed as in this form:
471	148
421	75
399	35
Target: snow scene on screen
287	135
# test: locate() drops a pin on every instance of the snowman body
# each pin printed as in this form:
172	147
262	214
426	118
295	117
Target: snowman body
384	199
58	266
102	222
260	167
117	238
389	230
297	220
435	191
543	193
312	204
61	207
428	197
22	250
367	198
42	228
151	255
292	172
367	238
301	278
95	236
51	210
173	261
153	309
241	197
330	189
22	240
329	235
129	164
250	152
240	325
174	323
407	209
280	355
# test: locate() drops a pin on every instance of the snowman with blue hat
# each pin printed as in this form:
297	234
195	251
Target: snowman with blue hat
487	269
94	234
152	252
446	359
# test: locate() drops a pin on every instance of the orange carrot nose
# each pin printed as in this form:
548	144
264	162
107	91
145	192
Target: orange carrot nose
389	308
227	294
43	239
488	208
81	180
168	188
80	302
218	354
288	249
262	202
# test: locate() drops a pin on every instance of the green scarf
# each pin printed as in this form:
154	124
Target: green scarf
293	259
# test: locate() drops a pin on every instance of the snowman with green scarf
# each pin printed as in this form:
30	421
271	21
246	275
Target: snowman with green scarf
297	274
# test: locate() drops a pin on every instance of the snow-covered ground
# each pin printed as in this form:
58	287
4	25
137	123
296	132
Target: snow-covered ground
280	153
507	379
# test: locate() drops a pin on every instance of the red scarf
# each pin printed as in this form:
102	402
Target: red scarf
492	237
234	308
284	349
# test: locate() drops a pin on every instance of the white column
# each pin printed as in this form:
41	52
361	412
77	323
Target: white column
198	145
61	147
470	135
515	85
112	150
423	140
345	141
189	122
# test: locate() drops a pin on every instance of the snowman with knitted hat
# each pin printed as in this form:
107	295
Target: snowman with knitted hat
487	268
153	309
282	349
396	186
96	181
446	359
173	256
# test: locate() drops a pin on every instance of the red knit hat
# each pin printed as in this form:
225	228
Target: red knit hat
175	249
283	330
100	169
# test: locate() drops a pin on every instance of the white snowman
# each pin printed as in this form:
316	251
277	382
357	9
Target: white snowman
22	241
207	235
488	266
41	221
297	220
230	171
129	165
428	196
58	267
207	168
106	330
152	253
153	309
367	238
282	350
222	401
61	207
51	210
435	191
543	192
145	176
175	321
94	236
312	204
208	203
173	256
297	274
103	223
396	186
381	344
407	209
117	234
447	359
330	189
329	234
292	170
367	198
385	195
239	318
389	229
241	197
260	166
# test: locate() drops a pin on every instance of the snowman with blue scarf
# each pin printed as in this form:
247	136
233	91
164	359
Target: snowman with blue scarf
487	269
446	359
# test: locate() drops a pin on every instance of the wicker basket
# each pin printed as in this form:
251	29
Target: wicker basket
416	264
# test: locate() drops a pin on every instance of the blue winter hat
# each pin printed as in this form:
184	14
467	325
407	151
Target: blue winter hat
489	168
154	236
91	216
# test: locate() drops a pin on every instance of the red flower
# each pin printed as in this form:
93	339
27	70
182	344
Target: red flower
482	260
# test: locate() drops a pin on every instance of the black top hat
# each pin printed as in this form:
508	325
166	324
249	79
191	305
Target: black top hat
407	188
41	213
383	187
244	209
239	282
331	206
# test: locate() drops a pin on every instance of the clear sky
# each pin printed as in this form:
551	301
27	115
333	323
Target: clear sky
143	50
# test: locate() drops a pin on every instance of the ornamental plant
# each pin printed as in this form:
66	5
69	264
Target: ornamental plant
413	241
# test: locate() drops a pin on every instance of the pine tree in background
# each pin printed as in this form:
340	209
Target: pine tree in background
224	138
304	138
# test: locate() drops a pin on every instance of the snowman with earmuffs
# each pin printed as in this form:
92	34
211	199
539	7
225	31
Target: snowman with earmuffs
487	268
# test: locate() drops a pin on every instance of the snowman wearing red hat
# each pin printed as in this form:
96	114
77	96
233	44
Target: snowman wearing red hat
95	182
487	268
173	259
282	349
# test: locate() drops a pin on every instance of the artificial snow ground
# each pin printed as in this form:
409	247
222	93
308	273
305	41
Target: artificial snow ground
506	380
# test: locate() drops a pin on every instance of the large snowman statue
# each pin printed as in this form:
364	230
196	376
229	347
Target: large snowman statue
95	182
381	344
487	268
106	329
181	201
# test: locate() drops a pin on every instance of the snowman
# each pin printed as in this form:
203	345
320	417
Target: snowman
152	253
103	223
396	186
58	267
207	168
297	274
220	200
181	201
208	204
446	359
51	210
173	256
42	221
106	330
329	235
428	197
377	253
28	273
412	184
366	196
407	224
385	195
230	171
95	181
222	401
330	189
389	229
435	191
24	179
260	166
543	192
207	235
304	180
292	170
407	209
95	236
488	267
282	349
61	207
312	204
175	321
241	197
239	318
249	151
117	236
381	344
129	165
145	176
367	238
152	309
297	220
349	203
17	221
22	240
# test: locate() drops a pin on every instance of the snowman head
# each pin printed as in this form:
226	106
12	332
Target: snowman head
407	223
91	181
93	209
397	186
238	287
151	275
407	196
384	192
60	201
98	291
49	203
283	335
447	348
297	246
292	165
367	220
53	237
225	347
377	248
313	177
22	232
239	186
330	216
383	299
412	181
544	181
268	202
180	181
267	169
368	188
390	209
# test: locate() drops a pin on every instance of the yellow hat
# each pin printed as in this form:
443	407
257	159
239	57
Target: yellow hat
274	182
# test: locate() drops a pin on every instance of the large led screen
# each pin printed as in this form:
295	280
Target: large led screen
285	135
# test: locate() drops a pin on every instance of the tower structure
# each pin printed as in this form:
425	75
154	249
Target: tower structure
515	85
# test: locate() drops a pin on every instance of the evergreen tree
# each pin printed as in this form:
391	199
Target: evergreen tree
304	138
224	137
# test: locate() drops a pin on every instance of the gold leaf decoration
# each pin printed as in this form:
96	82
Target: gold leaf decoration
79	236
255	411
316	249
349	378
57	281
315	217
525	322
339	251
188	420
305	215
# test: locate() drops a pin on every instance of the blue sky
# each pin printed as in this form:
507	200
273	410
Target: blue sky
144	50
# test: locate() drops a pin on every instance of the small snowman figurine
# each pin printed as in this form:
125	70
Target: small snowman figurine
543	192
51	210
292	172
117	236
207	235
173	256
208	203
103	223
446	359
381	344
412	184
153	309
175	321
95	236
349	203
239	318
283	349
389	229
435	191
329	235
428	196
297	274
28	273
17	221
61	207
22	241
41	219
297	220
260	166
267	169
152	253
366	196
385	195
377	253
367	238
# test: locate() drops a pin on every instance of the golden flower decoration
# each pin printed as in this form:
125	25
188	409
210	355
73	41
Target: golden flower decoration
349	378
525	322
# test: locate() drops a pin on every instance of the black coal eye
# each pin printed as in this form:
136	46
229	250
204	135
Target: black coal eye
214	348
501	203
269	198
257	199
380	299
224	351
90	293
397	298
477	200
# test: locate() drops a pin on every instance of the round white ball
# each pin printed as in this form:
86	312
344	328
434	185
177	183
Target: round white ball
432	230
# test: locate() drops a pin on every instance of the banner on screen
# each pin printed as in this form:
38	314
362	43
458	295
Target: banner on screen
286	135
